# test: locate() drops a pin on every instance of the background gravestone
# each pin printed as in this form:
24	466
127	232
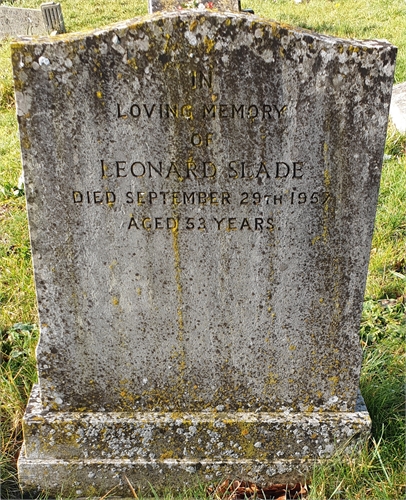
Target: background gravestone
15	21
201	190
167	5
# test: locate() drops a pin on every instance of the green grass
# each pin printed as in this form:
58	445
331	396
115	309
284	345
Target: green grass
374	471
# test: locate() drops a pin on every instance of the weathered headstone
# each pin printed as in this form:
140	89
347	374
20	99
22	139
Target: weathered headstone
201	190
15	21
168	5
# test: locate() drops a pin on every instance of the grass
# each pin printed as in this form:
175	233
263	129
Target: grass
374	471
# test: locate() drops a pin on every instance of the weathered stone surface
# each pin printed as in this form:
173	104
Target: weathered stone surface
168	5
16	21
201	190
62	448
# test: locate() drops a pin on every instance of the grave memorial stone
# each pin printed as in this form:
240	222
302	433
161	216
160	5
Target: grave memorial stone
15	21
201	189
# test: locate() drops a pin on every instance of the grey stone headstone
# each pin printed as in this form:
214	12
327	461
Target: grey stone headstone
201	190
16	21
176	5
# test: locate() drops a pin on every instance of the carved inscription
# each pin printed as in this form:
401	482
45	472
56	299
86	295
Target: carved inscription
273	177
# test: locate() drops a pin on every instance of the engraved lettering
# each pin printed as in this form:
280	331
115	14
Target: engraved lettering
104	170
207	166
146	223
245	224
190	169
231	223
97	197
207	111
252	111
120	169
189	198
280	111
233	170
173	170
202	224
77	197
262	170
282	169
152	167
137	165
297	167
172	223
237	111
119	114
133	223
225	197
218	222
135	111
202	198
149	112
110	197
258	223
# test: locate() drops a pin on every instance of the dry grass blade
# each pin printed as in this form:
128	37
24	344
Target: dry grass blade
108	493
241	490
131	487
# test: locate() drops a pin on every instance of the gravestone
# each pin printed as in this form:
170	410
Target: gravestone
201	191
168	5
16	21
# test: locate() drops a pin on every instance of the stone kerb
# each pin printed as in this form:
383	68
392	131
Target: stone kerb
201	199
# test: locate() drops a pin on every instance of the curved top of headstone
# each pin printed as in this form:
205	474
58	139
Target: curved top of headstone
201	189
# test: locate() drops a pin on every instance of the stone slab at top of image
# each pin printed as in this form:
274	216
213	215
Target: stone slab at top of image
168	5
16	21
201	191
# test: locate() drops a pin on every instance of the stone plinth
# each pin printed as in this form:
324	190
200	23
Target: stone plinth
201	190
90	452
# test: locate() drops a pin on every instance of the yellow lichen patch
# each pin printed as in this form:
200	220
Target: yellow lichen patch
193	25
209	44
25	143
99	95
132	62
115	301
272	378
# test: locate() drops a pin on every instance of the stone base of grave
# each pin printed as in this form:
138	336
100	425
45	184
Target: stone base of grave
88	454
